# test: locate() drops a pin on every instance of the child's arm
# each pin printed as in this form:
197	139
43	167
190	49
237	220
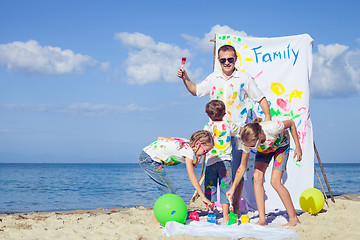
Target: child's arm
235	130
264	104
291	124
239	174
194	181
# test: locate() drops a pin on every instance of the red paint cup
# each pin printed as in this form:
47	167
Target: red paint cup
194	216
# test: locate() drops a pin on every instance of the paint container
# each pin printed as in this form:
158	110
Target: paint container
194	216
232	218
244	218
211	218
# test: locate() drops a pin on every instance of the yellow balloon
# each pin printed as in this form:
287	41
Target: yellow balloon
312	200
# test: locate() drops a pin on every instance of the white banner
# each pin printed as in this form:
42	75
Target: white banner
281	68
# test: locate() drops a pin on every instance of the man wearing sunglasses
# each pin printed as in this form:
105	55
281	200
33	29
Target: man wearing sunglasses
234	88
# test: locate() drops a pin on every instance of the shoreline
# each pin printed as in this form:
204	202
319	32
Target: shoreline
336	221
350	196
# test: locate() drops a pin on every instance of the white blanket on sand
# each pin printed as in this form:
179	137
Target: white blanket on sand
205	229
273	231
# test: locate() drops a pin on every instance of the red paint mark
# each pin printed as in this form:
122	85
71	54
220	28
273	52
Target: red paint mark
283	104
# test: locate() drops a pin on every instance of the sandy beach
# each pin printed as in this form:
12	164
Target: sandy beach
339	220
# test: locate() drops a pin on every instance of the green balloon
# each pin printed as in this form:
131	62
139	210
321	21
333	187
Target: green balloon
312	200
170	207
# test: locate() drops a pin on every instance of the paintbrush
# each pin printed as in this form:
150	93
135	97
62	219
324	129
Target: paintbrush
183	60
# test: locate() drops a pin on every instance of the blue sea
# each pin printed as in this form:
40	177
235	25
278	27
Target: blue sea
29	187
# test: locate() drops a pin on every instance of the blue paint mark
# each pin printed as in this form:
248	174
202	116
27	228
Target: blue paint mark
243	111
173	212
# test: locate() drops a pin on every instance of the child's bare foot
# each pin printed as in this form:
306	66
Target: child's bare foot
292	223
154	222
261	222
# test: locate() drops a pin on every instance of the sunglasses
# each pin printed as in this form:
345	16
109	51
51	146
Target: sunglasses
205	151
256	144
223	60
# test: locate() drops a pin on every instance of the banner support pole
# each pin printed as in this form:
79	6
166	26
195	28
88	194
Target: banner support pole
214	41
323	172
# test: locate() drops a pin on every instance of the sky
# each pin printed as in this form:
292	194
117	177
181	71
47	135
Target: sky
95	81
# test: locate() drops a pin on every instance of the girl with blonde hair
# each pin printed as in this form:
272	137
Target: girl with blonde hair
272	141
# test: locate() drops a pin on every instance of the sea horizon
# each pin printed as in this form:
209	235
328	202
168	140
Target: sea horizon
48	187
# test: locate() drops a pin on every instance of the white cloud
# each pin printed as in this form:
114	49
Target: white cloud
204	43
336	71
30	57
87	109
4	131
105	66
336	68
149	61
28	107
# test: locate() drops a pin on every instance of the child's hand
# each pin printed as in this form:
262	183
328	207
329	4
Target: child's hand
211	206
207	202
298	154
230	193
